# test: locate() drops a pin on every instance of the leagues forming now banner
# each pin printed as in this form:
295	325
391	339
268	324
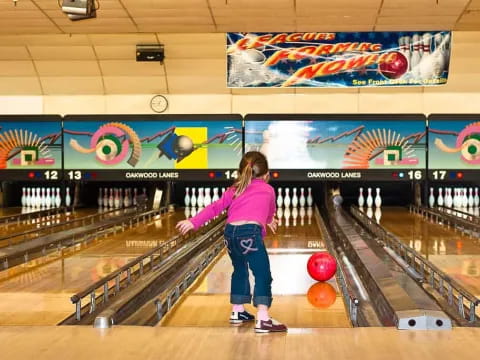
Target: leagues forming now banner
338	59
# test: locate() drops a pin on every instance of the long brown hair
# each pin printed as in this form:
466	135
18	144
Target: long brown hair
253	165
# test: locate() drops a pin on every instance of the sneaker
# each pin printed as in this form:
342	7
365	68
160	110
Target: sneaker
262	326
241	317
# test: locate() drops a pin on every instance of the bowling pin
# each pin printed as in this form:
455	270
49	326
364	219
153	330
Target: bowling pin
448	198
369	211
24	197
378	199
28	198
186	200
48	199
193	199
207	200
215	196
126	199
280	215
301	200
416	55
279	198
476	198
294	198
440	197
294	215
105	198
431	198
408	53
470	197
287	201
309	215
464	198
68	198
287	216
135	194
42	198
361	199
369	198
378	214
200	198
194	211
302	216
111	200
116	199
309	197
38	199
58	199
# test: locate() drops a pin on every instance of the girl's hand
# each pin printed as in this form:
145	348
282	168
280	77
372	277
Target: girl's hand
184	226
273	225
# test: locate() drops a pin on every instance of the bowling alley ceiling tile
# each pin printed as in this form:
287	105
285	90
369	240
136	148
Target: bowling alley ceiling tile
193	16
69	85
135	84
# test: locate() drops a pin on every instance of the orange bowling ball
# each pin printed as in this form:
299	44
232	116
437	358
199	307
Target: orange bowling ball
322	295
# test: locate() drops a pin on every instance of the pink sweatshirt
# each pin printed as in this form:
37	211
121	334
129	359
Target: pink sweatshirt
256	203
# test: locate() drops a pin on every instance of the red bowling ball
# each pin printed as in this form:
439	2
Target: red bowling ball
321	266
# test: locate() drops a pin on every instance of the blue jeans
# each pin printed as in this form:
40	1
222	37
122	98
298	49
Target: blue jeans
247	250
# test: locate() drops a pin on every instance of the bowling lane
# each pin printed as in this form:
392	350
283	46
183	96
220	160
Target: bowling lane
41	224
39	293
207	301
454	253
8	211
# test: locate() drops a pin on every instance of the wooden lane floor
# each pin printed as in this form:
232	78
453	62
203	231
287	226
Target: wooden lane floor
207	301
42	225
39	293
186	343
456	254
8	211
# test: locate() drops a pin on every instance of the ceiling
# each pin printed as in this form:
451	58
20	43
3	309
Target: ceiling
204	16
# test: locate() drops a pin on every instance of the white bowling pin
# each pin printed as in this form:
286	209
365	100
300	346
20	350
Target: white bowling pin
186	199
28	198
111	200
135	194
440	197
302	199
24	197
116	199
302	215
126	199
279	198
369	198
287	216
48	199
464	198
470	197
309	215
207	200
309	197
369	211
294	215
42	198
68	198
361	198
215	196
58	199
431	198
100	198
378	198
448	197
200	198
280	215
194	211
476	198
38	199
286	200
193	199
378	214
294	198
